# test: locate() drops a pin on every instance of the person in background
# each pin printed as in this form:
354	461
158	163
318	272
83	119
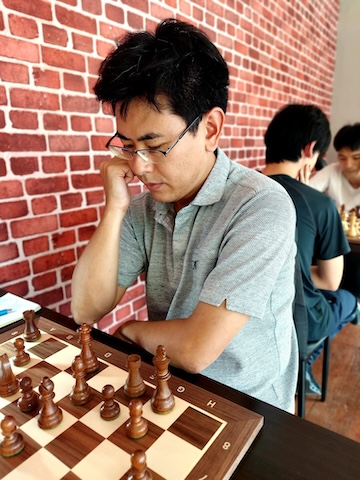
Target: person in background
295	138
217	256
341	180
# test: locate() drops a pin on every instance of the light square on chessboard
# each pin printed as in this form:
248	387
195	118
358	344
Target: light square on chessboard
63	358
115	463
166	419
42	465
43	437
172	457
111	375
105	427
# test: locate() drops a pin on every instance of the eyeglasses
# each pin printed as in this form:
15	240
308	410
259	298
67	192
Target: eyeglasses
147	154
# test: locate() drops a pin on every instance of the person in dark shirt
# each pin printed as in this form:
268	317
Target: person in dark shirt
295	138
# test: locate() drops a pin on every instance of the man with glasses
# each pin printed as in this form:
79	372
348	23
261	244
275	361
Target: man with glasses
214	239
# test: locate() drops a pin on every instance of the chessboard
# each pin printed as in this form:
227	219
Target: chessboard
204	436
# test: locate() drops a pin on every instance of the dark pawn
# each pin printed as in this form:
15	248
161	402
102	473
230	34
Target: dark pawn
139	470
13	442
134	386
110	408
81	392
31	332
22	357
50	414
9	384
87	354
136	426
29	399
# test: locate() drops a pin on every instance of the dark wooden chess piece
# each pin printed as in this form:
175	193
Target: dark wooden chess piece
110	408
31	332
22	357
134	385
29	399
81	392
50	414
9	384
13	442
89	357
139	470
162	400
137	426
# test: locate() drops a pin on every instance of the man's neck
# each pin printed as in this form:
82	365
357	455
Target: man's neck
284	168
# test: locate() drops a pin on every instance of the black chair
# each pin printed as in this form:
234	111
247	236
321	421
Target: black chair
306	348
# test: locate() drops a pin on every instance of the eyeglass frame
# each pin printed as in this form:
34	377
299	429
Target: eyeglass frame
138	152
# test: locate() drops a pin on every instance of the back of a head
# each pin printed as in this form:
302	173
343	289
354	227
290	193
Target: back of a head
348	136
178	61
292	129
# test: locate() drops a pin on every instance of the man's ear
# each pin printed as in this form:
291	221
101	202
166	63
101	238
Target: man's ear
214	124
309	149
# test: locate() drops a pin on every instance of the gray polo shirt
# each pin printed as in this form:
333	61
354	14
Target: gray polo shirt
233	242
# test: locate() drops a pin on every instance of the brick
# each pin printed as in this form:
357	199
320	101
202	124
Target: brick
54	164
19	49
92	6
85	233
135	21
11	188
8	252
81	124
80	162
2	167
2	120
53	261
110	31
20	97
35	8
93	62
16	209
3	231
98	142
33	226
68	143
54	121
21	289
95	197
46	78
78	217
55	35
63	239
63	59
143	6
74	82
72	19
40	282
2	26
70	201
3	98
40	186
24	120
49	298
79	104
14	72
23	27
82	43
36	245
105	125
66	273
24	165
14	271
43	205
86	181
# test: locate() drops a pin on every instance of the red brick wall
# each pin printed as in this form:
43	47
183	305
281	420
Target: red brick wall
53	131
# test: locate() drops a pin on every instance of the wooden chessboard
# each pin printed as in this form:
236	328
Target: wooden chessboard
204	437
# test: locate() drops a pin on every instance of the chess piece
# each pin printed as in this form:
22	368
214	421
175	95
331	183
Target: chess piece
134	385
13	442
352	231
162	400
110	408
50	414
22	357
136	426
87	354
139	470
29	399
9	384
31	332
81	392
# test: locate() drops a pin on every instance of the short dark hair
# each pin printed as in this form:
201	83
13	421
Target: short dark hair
348	136
178	61
294	127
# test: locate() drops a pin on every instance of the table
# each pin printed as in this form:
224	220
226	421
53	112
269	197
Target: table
287	447
351	277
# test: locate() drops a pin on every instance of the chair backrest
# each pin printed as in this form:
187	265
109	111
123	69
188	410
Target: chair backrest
299	311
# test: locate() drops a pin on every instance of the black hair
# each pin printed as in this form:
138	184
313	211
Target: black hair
294	127
178	62
348	136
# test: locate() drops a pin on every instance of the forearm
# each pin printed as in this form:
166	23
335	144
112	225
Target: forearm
323	281
94	284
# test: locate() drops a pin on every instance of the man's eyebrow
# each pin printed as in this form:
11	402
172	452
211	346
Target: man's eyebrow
147	136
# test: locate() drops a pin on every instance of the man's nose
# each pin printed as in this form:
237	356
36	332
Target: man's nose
140	166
